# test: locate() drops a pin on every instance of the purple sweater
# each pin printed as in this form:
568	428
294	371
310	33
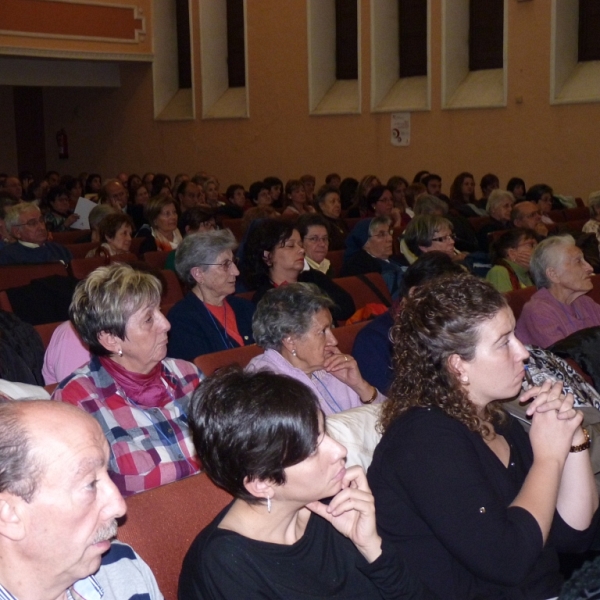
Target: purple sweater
334	396
545	320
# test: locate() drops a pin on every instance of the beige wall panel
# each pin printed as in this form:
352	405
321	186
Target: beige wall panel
111	130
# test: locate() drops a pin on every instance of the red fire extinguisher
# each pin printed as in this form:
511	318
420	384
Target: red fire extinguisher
63	143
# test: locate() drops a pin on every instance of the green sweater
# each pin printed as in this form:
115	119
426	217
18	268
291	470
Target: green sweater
499	277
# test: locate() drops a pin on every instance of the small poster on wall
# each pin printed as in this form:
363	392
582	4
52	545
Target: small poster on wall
400	129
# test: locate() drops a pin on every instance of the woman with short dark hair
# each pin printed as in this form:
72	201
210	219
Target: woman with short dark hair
511	254
262	438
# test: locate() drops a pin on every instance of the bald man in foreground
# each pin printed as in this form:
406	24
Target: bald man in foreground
58	510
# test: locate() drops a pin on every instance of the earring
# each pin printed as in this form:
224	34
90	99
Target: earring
464	379
294	353
120	352
268	504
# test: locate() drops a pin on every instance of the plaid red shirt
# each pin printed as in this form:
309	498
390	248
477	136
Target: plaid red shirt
149	446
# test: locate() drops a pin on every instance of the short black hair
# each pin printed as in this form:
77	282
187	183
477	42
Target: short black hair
232	189
252	426
255	189
535	192
427	267
311	220
429	178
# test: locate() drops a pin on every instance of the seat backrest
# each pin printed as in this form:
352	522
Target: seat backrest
136	244
126	257
518	298
209	363
156	259
82	267
345	336
45	331
12	276
575	214
5	302
69	237
336	258
162	523
478	222
235	225
174	291
81	250
361	293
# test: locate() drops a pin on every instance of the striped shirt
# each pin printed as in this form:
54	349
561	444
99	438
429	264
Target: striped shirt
123	575
149	446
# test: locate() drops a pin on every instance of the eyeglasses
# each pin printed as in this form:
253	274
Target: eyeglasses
444	238
383	234
225	265
32	222
315	238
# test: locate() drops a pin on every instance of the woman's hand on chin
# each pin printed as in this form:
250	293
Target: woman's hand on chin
352	513
344	368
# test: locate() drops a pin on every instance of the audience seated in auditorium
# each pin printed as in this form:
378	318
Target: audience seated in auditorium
235	202
161	233
527	215
381	204
161	185
593	225
314	231
511	254
433	184
329	205
96	216
420	175
56	209
275	457
275	186
274	256
516	186
5	202
65	353
193	220
475	506
293	326
560	307
462	196
113	192
26	224
348	189
295	201
372	346
260	195
369	250
209	318
360	206
139	397
489	182
541	194
12	185
309	182
93	185
116	234
74	189
211	193
188	196
397	185
60	510
499	206
333	180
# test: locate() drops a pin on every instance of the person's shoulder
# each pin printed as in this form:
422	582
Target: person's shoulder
124	575
183	369
378	327
241	304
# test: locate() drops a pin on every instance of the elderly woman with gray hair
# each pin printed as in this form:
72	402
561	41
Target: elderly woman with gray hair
208	319
560	307
139	397
293	325
429	233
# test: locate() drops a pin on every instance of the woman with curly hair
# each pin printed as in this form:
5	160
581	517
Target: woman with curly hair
474	506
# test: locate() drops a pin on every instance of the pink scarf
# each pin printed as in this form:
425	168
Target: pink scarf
144	389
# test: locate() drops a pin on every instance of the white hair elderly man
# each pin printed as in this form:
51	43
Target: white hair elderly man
58	510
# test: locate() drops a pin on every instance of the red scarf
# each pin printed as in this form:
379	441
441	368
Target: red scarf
145	389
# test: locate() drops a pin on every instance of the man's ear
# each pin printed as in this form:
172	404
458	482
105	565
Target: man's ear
12	525
111	342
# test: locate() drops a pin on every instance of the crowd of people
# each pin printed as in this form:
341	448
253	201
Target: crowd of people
467	495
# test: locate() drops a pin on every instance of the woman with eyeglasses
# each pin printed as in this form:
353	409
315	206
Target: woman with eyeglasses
429	233
369	250
274	257
314	231
512	254
208	319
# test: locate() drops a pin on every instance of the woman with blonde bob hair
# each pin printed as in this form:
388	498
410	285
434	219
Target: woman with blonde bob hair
466	497
139	397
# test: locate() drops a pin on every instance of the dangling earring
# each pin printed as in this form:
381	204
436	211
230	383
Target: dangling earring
268	504
294	353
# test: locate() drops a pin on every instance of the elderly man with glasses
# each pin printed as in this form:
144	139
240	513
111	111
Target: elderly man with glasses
26	224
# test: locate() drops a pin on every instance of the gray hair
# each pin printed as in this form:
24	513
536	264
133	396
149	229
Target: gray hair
428	204
422	229
377	222
107	298
13	214
496	197
98	213
19	472
201	250
287	310
547	254
594	203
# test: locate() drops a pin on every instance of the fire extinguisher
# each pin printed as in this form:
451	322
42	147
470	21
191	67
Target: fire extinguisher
63	143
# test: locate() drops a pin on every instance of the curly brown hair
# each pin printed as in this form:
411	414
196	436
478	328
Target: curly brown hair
441	318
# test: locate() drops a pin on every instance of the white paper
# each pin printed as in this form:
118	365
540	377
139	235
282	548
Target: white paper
83	209
400	129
